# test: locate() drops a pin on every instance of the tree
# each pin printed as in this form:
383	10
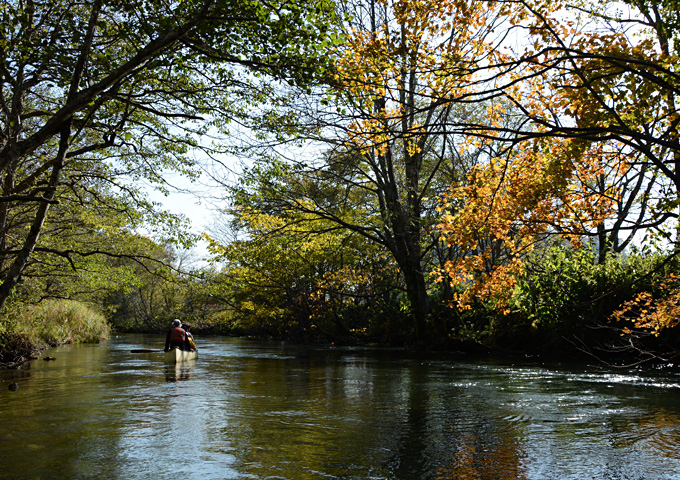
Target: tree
284	277
382	129
591	160
127	88
154	291
593	152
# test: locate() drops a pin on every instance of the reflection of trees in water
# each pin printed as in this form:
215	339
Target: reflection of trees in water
63	362
448	434
306	414
658	431
482	450
10	379
352	415
16	374
256	412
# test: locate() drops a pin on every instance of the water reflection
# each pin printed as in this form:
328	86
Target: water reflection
179	371
265	410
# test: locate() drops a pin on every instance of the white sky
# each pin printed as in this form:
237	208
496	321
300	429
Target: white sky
197	201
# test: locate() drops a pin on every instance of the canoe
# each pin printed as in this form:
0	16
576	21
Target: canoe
175	355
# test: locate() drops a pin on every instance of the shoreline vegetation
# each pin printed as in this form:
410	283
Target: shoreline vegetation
552	314
27	333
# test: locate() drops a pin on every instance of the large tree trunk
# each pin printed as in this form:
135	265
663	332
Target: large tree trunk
404	242
419	299
416	288
20	262
7	190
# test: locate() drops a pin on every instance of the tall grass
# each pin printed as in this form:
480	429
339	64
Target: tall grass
54	322
50	323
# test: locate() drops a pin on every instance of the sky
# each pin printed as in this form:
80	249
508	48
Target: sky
197	201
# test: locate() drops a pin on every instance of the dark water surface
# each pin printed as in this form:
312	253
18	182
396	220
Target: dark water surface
254	410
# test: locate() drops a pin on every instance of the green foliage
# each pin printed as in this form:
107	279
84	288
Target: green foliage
161	292
109	97
296	276
25	330
89	249
563	295
557	282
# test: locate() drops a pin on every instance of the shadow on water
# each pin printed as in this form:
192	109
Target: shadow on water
267	410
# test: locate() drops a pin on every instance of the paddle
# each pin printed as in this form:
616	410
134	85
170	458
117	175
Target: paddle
143	350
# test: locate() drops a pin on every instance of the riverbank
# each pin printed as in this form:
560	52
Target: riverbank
25	333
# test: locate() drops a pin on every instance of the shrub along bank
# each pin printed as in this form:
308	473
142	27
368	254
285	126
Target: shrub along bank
23	334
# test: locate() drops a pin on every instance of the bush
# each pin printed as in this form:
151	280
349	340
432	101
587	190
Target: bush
25	331
564	294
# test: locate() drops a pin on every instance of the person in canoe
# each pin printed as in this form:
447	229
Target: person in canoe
176	336
189	345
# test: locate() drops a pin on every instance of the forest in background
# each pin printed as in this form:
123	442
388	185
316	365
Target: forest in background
476	175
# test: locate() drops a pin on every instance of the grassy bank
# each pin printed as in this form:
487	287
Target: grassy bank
27	331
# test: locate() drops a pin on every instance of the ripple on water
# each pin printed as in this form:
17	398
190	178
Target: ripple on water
248	410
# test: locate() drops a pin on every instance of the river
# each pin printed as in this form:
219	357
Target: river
267	410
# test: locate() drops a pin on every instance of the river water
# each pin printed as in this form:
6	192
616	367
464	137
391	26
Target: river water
267	410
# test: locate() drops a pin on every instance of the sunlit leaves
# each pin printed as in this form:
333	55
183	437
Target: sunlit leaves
128	90
292	272
512	202
652	312
604	97
437	43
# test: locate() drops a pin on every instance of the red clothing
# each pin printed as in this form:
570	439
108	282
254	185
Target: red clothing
175	338
177	335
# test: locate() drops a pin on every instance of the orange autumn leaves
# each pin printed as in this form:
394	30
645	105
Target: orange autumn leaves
650	313
510	204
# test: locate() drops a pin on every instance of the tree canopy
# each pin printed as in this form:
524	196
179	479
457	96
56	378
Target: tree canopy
473	136
97	96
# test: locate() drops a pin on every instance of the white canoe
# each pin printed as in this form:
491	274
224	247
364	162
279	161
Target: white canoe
175	355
